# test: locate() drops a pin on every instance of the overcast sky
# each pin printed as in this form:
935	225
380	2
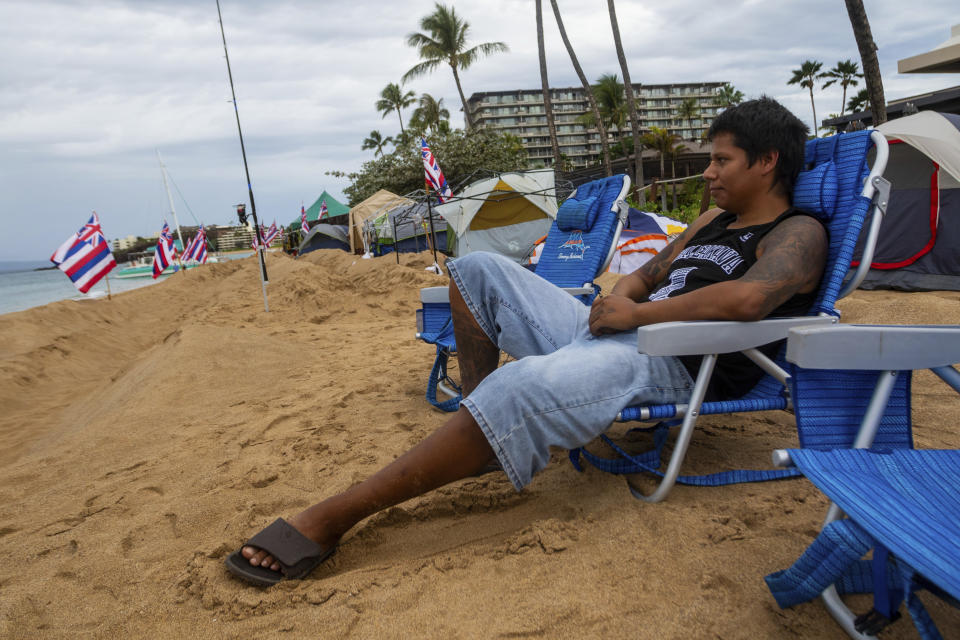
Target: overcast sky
92	89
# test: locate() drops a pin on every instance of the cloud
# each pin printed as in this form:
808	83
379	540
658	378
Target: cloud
92	89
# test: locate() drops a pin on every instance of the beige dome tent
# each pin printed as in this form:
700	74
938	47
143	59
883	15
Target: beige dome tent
377	203
504	214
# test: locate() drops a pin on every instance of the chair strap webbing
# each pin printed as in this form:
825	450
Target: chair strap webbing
649	461
834	558
438	374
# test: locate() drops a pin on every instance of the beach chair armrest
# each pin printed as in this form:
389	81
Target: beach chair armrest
699	338
874	347
579	291
435	295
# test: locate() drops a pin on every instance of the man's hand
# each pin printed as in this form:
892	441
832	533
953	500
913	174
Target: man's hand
612	314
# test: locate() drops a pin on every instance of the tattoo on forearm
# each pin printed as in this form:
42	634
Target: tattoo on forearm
655	269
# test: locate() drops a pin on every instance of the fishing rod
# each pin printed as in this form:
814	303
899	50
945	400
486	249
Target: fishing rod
253	207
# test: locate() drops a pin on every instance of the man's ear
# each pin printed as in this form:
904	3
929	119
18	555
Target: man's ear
768	161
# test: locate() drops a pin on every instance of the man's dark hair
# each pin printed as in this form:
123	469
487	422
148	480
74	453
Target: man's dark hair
763	125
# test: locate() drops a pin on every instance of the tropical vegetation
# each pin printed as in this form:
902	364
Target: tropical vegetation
376	141
461	154
393	98
806	76
444	41
845	73
728	96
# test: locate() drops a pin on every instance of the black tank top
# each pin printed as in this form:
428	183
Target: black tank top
717	254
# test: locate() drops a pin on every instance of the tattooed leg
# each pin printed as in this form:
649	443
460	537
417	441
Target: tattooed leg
477	354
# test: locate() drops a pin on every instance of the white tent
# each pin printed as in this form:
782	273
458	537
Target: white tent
935	134
504	214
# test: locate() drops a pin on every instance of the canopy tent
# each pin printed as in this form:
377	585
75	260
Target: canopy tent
372	206
406	228
919	244
325	236
334	209
504	214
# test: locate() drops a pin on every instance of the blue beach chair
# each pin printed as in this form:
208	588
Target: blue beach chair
842	190
900	502
579	247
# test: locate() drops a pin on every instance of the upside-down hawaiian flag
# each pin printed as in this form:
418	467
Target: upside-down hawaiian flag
165	253
199	252
197	248
323	209
303	220
85	256
270	234
434	176
185	256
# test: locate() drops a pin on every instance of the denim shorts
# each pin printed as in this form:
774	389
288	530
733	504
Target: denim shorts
566	386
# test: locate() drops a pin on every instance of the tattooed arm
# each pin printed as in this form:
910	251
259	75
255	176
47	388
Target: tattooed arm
641	283
791	259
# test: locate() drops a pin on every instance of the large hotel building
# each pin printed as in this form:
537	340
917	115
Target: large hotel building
520	112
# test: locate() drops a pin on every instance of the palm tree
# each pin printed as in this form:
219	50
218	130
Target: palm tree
545	86
430	112
392	98
868	57
631	103
688	110
674	152
445	40
806	76
376	141
586	89
613	109
859	102
728	96
663	142
846	73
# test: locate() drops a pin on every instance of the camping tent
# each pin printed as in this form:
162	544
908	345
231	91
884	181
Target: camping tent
919	244
372	206
334	210
504	214
405	228
325	236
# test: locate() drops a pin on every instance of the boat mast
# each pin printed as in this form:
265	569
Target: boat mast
163	172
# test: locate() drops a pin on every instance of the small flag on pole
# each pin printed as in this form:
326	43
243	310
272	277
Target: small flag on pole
270	234
323	209
85	256
197	248
434	176
303	220
165	253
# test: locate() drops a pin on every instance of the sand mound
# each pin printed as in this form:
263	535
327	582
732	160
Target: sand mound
147	436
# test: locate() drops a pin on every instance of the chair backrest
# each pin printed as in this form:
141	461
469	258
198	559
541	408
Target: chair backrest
839	160
829	405
830	187
581	240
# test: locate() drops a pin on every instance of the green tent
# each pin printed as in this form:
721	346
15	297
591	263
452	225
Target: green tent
334	208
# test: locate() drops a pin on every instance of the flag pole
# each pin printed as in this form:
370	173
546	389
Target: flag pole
107	278
253	207
433	233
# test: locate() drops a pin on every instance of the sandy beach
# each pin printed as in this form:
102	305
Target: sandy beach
146	437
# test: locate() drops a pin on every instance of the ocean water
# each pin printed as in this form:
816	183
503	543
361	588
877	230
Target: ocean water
23	287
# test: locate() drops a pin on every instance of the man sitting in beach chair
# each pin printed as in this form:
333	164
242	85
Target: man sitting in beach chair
753	257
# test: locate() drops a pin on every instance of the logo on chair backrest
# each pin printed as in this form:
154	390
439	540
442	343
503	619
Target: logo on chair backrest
574	248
